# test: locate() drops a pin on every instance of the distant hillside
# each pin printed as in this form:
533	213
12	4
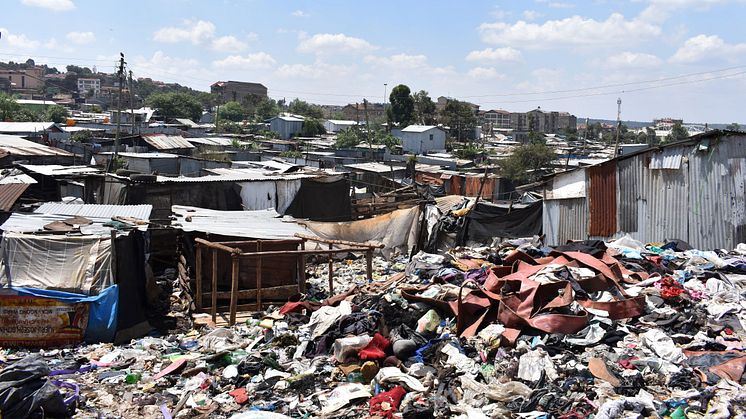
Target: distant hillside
641	124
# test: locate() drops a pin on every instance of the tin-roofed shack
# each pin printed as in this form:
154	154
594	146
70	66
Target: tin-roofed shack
691	190
78	269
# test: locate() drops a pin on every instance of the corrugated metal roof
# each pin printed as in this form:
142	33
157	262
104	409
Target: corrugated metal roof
374	167
149	155
9	194
17	127
668	158
58	170
218	141
96	212
18	146
167	142
418	128
263	224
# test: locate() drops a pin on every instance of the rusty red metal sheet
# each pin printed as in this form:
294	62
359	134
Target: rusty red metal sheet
9	194
602	202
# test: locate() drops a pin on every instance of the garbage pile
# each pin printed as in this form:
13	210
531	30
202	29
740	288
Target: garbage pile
588	329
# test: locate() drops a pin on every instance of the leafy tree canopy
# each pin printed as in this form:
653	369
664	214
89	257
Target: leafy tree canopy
8	107
301	107
401	107
56	113
424	108
524	165
678	132
176	105
231	111
460	117
312	127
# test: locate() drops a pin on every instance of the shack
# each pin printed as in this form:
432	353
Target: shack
79	274
692	190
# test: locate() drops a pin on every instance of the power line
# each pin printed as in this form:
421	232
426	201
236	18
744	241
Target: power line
617	92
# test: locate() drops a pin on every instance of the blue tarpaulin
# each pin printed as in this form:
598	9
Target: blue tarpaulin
102	316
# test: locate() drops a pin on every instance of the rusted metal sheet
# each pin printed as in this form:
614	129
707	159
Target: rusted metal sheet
167	142
9	194
602	199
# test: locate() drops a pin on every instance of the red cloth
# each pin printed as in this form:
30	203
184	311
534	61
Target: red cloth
392	398
298	306
239	395
626	363
376	349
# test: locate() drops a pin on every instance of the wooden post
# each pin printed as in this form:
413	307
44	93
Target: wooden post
234	288
198	277
259	275
214	307
331	271
302	269
369	264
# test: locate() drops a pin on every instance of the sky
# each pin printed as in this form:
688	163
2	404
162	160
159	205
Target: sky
663	58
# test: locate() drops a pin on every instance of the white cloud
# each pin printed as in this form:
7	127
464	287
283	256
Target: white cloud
560	5
300	13
495	54
485	73
81	37
195	32
575	30
317	70
56	5
661	9
398	61
531	15
228	43
169	69
250	61
329	43
632	60
18	41
702	47
499	13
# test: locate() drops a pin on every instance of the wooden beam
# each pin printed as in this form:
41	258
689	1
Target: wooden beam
369	264
234	287
301	252
242	242
217	246
198	276
259	275
331	272
214	300
340	242
280	293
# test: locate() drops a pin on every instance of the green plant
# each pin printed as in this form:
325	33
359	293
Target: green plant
81	136
294	154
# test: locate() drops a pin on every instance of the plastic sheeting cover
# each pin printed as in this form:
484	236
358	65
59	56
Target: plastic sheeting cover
74	264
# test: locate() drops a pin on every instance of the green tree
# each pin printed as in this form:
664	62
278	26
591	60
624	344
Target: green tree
56	113
401	106
230	127
176	105
8	107
424	108
80	71
385	138
526	162
231	111
301	107
347	139
26	115
678	132
733	127
312	127
81	136
266	109
460	118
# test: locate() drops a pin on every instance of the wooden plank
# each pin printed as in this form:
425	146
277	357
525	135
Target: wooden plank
259	275
234	288
331	272
302	252
242	242
198	277
214	288
268	294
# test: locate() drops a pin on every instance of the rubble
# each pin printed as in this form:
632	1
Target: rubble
516	329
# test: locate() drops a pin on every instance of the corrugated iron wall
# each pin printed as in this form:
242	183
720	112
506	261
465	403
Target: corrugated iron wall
565	219
602	199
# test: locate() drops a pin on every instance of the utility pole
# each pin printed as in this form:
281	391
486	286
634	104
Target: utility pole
367	128
132	102
120	76
618	124
388	129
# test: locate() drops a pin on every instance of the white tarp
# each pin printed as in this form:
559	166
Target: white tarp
64	263
568	185
397	230
274	194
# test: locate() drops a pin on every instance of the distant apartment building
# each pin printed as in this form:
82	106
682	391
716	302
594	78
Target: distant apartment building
539	120
496	119
236	91
442	101
29	80
90	87
667	122
357	112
